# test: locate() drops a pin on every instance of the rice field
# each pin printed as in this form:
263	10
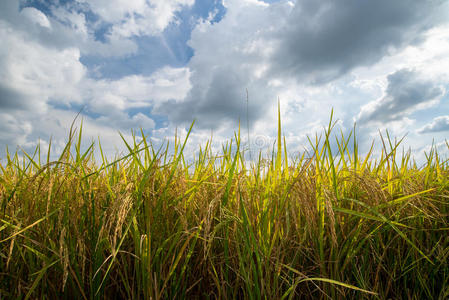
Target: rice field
151	225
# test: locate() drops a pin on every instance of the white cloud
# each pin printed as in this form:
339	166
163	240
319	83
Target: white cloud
38	72
406	92
138	91
230	57
13	130
137	18
36	77
438	124
58	123
76	21
36	16
114	11
73	29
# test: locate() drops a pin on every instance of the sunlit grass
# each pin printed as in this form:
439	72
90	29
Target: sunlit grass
151	226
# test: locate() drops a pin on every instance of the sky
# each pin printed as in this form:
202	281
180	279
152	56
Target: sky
157	65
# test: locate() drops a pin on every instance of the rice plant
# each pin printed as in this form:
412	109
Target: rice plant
149	225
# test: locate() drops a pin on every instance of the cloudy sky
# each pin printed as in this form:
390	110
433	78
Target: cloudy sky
160	64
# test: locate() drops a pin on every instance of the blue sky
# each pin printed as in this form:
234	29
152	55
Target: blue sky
160	64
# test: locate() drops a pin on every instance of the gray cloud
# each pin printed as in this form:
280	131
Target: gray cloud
13	130
405	93
438	124
273	50
11	99
230	56
9	10
222	100
314	42
323	40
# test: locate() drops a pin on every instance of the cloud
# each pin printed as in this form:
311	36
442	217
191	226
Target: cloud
63	27
13	130
138	17
323	40
107	96
9	10
406	92
57	122
32	73
438	124
122	121
58	76
40	76
230	57
11	99
313	42
36	16
73	28
221	101
61	56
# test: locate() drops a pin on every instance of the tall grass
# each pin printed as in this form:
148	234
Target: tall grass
151	226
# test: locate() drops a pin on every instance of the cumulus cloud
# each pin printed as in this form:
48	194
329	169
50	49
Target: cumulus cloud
221	101
13	130
323	40
72	28
36	16
32	73
230	57
406	92
64	27
295	50
137	18
438	124
40	77
314	42
108	96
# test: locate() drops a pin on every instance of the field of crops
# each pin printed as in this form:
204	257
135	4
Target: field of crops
149	225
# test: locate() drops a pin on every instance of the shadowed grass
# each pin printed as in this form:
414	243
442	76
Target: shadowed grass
150	226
